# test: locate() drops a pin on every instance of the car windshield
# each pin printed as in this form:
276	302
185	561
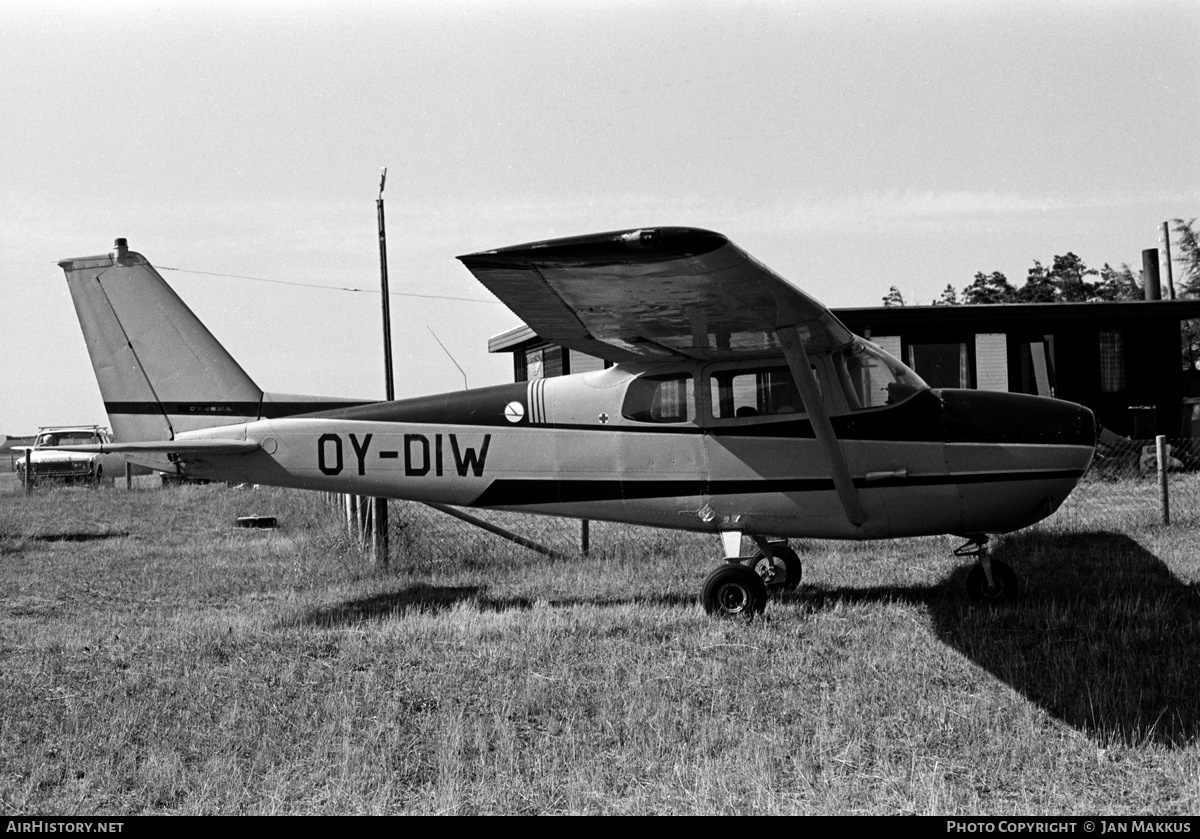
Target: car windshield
65	438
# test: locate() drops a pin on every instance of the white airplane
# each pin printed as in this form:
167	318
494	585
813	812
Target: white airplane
738	406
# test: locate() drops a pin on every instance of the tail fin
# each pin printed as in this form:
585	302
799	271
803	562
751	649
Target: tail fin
160	370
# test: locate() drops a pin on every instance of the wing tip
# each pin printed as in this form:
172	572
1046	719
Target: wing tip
640	243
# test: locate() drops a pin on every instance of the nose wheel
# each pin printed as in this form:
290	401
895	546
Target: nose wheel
990	581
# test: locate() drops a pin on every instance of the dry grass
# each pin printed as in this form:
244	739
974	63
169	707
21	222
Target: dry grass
153	659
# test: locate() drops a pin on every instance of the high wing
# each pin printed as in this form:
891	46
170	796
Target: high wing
654	294
658	293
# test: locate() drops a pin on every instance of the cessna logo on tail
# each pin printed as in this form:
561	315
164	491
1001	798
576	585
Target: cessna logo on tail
420	455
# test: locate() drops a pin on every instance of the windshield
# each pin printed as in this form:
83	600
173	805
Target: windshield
65	438
871	378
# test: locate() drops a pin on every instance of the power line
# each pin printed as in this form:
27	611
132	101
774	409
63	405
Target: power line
327	287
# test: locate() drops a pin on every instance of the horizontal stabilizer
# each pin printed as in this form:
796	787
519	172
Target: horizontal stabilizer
164	446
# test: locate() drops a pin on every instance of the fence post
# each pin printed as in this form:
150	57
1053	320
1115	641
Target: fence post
1160	451
28	471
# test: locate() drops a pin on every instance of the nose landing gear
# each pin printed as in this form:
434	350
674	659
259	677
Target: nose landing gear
990	581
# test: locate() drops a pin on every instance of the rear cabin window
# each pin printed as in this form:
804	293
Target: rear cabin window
766	391
665	398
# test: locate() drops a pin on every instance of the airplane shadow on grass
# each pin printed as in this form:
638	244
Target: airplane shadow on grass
1104	638
16	544
77	537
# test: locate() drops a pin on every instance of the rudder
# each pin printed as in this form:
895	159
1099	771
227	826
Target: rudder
160	370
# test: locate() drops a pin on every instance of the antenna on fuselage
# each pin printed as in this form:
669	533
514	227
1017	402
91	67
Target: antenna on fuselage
447	352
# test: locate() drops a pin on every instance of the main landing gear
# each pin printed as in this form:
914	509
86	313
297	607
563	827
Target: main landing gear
739	587
990	580
733	590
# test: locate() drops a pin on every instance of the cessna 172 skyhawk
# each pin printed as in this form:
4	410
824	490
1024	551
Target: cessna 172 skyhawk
738	405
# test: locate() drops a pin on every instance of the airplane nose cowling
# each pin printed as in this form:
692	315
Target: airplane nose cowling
1014	458
980	416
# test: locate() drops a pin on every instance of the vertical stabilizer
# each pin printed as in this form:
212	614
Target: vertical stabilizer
160	370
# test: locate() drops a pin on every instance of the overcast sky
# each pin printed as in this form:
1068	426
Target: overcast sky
849	146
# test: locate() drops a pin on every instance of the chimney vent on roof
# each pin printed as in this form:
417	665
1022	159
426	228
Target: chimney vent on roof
1151	288
120	250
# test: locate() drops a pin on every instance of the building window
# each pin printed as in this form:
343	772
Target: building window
1112	361
534	366
543	363
941	365
1032	370
991	361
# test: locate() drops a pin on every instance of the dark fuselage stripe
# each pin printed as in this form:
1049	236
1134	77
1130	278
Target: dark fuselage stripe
513	492
256	410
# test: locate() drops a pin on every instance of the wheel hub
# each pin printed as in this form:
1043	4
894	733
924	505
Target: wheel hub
733	598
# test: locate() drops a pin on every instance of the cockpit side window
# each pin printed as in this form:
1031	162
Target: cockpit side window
871	378
662	398
765	391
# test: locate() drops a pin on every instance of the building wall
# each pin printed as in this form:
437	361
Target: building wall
1137	389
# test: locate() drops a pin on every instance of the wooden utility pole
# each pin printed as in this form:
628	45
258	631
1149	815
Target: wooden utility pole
381	511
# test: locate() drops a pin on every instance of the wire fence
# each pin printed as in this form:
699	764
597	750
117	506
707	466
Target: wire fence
1123	487
418	532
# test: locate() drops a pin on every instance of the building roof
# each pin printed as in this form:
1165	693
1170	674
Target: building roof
882	318
1129	310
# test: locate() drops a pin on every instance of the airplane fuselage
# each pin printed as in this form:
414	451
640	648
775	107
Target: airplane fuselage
738	405
939	461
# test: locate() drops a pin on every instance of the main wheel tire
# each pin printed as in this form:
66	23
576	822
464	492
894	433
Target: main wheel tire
734	591
1005	585
784	572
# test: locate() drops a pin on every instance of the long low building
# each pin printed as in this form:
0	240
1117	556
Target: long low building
1133	363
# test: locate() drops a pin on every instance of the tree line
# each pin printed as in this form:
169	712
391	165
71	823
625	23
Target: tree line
1068	280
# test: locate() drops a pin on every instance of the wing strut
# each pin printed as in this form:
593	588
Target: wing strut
797	359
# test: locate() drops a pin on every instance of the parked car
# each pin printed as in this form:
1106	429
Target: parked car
49	464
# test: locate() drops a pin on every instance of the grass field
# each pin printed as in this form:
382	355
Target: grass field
155	659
